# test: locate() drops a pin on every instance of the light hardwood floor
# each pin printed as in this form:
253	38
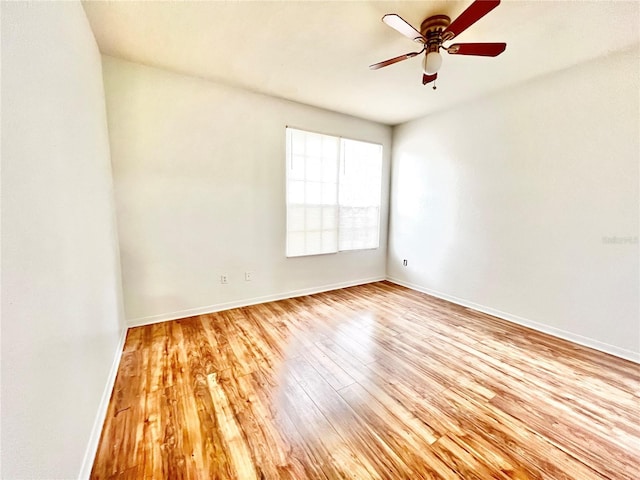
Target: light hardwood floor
375	381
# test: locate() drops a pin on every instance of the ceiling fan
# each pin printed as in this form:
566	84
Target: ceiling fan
436	30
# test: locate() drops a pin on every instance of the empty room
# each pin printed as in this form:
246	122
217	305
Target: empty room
320	240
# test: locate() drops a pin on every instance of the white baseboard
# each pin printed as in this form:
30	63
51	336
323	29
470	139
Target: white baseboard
96	431
541	327
165	317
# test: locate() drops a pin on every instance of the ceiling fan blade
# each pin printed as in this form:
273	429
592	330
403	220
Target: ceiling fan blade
428	78
393	60
481	49
399	24
471	15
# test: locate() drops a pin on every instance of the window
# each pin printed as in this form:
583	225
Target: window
333	193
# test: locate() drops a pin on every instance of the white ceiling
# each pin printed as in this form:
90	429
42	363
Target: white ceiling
318	52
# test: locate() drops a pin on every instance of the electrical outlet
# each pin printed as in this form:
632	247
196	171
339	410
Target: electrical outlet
224	279
248	276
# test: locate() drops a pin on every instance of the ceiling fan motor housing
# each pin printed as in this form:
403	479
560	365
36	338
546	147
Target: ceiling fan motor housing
432	28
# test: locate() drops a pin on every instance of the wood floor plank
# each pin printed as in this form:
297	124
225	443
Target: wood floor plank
205	421
405	435
258	420
370	382
334	454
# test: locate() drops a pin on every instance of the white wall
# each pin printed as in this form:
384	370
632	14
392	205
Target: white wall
61	299
199	173
503	204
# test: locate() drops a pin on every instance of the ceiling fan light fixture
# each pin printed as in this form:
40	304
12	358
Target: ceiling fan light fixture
431	63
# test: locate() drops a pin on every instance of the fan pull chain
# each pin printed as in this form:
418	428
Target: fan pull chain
434	84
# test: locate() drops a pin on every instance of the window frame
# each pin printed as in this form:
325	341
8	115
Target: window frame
340	165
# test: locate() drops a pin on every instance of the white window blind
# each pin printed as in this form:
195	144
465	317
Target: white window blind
333	193
359	194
